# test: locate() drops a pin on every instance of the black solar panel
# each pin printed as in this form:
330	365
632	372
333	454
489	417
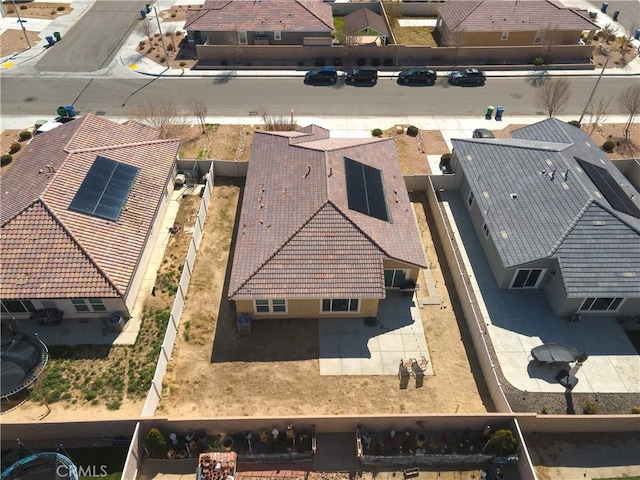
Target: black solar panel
104	189
610	189
365	190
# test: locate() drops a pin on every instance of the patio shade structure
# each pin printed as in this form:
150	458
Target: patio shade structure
554	353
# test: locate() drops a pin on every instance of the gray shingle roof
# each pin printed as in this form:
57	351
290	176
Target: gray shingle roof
363	18
503	15
534	214
297	237
259	15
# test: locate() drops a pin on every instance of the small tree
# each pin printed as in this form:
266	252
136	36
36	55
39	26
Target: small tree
453	38
553	96
156	444
503	443
199	108
167	117
597	114
145	28
629	103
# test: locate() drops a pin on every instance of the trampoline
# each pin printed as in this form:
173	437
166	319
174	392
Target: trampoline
39	466
22	358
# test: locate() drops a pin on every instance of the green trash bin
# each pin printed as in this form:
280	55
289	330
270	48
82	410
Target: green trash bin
58	36
489	112
62	111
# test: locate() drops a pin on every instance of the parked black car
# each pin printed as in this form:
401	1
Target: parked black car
47	316
362	75
468	76
483	133
321	76
418	76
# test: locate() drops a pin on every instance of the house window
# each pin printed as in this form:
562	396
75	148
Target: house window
17	306
485	229
505	36
470	199
242	38
88	305
527	278
538	38
275	305
600	304
394	278
340	305
277	35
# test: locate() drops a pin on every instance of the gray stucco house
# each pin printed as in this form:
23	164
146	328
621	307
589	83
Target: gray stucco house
554	213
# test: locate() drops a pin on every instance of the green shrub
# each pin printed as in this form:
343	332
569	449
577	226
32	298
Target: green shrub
300	63
608	146
502	443
170	47
337	62
173	14
636	410
25	135
60	8
412	131
319	62
5	160
375	62
224	63
545	410
538	61
156	35
182	64
163	59
445	159
156	444
376	132
361	62
591	408
388	62
15	147
23	7
575	123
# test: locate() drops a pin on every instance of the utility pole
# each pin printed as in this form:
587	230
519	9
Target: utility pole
164	47
21	22
586	106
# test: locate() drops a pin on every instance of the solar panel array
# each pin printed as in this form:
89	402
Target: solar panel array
610	189
365	190
104	189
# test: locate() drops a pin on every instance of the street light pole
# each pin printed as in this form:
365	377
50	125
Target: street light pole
21	22
586	106
166	55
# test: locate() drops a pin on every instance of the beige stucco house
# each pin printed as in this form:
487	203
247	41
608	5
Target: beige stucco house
326	227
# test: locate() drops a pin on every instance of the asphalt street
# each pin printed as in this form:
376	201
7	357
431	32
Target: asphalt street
243	96
629	12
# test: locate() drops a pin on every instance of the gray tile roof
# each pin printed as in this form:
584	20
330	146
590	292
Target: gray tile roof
363	18
507	15
297	237
534	214
261	15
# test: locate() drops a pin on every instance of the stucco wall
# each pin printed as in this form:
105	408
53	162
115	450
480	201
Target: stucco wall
309	308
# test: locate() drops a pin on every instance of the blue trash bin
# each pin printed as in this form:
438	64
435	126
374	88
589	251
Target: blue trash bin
636	35
143	14
499	112
70	111
50	40
604	7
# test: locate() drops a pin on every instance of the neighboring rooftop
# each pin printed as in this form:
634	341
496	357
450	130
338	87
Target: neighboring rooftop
297	227
52	250
507	15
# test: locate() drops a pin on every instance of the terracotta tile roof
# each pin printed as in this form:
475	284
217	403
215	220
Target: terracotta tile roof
363	18
70	150
506	15
296	185
41	259
261	15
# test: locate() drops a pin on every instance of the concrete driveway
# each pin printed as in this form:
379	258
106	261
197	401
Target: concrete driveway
94	40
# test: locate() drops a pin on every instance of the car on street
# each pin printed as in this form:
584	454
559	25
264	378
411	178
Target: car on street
468	76
362	75
321	76
418	76
483	133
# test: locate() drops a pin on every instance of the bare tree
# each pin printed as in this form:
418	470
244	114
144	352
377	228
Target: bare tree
199	108
168	117
233	39
629	103
145	27
453	38
553	96
278	123
597	114
170	31
607	34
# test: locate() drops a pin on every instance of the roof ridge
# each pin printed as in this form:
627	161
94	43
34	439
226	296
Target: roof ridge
203	11
85	119
480	2
79	245
124	145
300	2
357	227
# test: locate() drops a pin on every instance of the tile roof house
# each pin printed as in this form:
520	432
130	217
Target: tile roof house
326	226
554	213
365	26
78	216
507	23
260	22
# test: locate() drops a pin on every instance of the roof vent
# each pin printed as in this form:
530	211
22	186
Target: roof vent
513	195
565	175
598	222
629	274
552	174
